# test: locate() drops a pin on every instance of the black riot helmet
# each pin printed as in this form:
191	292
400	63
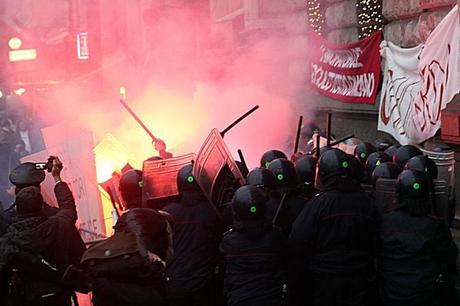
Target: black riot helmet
285	174
324	149
261	178
381	144
248	204
392	149
131	188
356	170
333	162
269	156
376	159
413	185
305	167
404	153
363	150
387	170
423	163
185	180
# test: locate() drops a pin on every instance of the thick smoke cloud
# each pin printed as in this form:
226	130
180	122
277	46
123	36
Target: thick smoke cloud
192	77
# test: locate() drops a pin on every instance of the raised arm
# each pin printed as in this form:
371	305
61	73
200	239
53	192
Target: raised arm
67	209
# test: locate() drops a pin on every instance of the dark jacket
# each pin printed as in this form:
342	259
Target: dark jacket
133	273
337	232
255	261
149	226
54	239
197	233
415	250
292	206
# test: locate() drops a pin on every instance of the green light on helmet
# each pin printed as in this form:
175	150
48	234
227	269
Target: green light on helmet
363	155
416	186
280	177
190	179
345	164
253	209
378	163
266	164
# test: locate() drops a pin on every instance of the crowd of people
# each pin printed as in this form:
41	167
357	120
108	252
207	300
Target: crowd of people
17	139
301	231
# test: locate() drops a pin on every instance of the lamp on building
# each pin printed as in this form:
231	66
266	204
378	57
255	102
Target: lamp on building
14	43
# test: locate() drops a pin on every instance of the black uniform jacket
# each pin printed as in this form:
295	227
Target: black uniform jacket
337	232
415	250
197	233
255	261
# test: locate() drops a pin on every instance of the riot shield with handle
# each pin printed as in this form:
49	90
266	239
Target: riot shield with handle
386	198
160	180
216	171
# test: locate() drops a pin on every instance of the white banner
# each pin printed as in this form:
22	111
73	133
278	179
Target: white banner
74	147
401	86
413	117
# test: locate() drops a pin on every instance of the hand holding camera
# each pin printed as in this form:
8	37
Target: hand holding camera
53	165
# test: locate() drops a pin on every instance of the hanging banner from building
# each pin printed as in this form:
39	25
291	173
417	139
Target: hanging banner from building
401	86
418	83
348	73
439	68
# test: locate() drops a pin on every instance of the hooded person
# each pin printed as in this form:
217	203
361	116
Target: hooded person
335	238
418	255
254	253
193	270
128	268
34	238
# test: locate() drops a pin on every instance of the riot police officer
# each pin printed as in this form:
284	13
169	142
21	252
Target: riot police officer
192	270
335	238
402	155
253	250
305	167
269	156
283	213
418	254
128	268
423	163
363	150
374	160
263	179
386	170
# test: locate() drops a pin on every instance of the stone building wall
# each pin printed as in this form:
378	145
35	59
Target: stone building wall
408	23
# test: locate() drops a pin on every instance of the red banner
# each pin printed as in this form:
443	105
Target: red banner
348	73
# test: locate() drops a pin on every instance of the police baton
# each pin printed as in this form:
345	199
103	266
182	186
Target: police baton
245	168
280	206
249	112
297	138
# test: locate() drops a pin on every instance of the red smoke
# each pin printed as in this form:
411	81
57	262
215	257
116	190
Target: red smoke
193	76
